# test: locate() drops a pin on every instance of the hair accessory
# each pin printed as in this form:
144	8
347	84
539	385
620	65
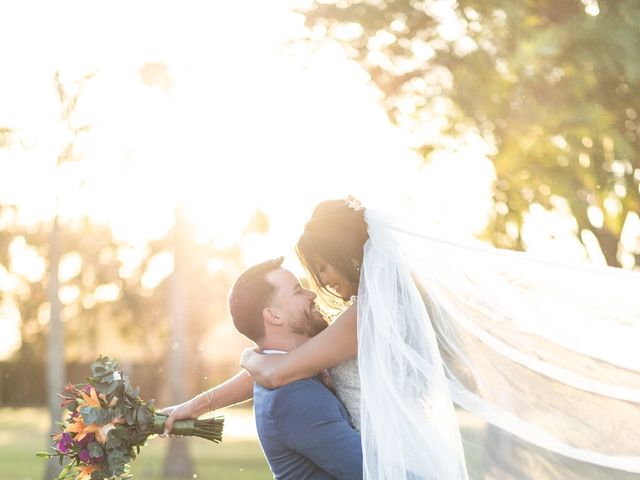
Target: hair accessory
353	203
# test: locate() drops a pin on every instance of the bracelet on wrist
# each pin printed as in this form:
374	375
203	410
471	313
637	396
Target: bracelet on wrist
208	399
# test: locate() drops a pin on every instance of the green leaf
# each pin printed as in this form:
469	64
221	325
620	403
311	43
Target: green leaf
94	415
44	454
112	387
130	416
144	416
95	450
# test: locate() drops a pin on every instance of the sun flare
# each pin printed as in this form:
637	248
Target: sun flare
220	120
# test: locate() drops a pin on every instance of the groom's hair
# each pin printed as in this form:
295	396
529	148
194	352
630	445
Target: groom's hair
249	296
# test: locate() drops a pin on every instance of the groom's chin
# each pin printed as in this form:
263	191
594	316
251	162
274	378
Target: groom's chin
317	323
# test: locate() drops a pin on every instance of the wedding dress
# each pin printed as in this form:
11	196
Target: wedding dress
346	382
547	355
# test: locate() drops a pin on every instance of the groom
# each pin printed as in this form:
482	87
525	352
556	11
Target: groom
304	430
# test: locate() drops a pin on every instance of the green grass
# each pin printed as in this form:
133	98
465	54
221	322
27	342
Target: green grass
23	431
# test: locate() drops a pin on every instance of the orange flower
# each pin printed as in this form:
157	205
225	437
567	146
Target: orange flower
86	470
81	429
92	399
103	432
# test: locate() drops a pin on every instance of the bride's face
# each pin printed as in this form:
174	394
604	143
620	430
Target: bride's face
335	281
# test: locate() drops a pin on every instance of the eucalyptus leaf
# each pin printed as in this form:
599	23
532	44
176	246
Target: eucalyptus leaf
130	416
144	416
95	450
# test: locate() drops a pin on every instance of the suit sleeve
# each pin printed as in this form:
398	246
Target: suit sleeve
309	421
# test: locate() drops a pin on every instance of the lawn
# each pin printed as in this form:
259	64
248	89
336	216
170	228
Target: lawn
23	431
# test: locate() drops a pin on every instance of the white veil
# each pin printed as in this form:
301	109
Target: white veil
548	355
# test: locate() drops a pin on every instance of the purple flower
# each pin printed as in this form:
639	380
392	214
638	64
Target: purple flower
84	456
91	437
65	442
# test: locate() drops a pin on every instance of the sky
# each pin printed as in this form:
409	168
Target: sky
247	120
239	117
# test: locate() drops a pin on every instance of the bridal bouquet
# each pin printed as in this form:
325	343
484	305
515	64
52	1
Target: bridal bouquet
107	423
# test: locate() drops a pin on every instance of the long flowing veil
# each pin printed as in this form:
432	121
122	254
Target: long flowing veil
543	357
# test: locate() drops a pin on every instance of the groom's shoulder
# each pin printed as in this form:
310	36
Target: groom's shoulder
309	391
299	387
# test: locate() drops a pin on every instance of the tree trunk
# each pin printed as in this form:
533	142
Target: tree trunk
178	461
608	244
55	344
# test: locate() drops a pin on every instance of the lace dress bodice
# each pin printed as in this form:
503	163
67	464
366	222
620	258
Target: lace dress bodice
346	381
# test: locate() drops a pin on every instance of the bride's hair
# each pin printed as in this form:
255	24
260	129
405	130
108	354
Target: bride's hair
335	234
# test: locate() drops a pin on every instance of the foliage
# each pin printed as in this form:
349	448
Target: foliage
108	422
550	86
136	312
238	457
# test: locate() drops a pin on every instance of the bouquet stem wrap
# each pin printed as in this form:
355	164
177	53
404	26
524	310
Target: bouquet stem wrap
209	429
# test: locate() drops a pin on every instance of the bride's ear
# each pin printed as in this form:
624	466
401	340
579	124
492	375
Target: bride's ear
271	316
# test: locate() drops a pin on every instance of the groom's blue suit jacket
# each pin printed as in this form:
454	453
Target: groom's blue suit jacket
305	432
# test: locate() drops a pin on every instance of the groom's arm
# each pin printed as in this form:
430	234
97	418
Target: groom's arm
237	389
309	421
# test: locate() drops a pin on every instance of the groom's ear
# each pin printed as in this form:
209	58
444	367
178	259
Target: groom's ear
271	316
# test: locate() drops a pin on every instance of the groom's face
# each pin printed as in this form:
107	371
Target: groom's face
295	305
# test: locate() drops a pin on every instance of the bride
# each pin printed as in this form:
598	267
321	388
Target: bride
545	353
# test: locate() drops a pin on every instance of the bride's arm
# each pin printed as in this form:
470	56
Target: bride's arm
237	389
337	343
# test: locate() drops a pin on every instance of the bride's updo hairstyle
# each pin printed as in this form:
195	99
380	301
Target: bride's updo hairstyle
335	234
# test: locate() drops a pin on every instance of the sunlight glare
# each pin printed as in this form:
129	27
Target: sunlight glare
212	109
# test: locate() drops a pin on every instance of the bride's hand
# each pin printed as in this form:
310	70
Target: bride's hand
264	369
246	357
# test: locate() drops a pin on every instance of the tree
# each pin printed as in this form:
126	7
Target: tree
178	461
55	337
550	86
